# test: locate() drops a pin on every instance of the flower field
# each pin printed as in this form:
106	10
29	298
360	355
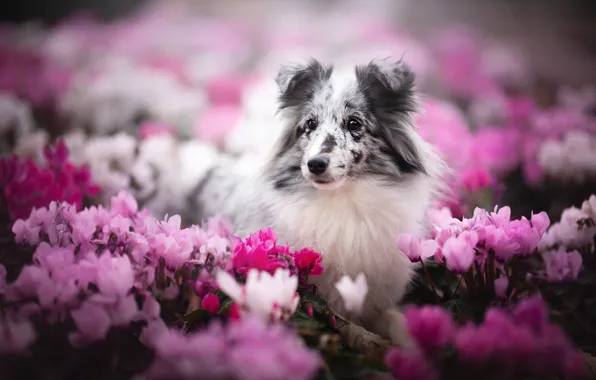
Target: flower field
106	272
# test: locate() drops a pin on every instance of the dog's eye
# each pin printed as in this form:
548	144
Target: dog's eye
311	124
354	124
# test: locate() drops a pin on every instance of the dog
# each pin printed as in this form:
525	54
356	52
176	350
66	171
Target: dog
347	174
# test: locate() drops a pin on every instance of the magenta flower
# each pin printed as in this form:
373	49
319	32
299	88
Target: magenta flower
430	327
409	365
308	262
27	186
563	266
210	303
475	179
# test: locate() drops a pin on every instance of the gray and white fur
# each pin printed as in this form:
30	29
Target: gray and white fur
346	176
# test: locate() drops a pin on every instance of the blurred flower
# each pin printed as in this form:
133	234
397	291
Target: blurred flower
244	349
409	365
210	303
501	285
352	292
562	266
264	296
430	327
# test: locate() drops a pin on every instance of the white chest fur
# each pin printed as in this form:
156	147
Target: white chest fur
355	228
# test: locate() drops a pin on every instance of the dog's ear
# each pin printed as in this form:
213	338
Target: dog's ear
297	82
389	89
389	85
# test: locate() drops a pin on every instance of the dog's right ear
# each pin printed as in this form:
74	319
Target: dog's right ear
297	82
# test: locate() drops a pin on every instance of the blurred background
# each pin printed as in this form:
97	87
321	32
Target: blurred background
134	87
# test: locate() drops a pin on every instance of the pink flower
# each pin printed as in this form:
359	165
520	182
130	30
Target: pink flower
501	285
16	334
114	274
210	303
92	321
540	222
409	365
216	122
124	204
459	254
475	179
415	249
152	129
563	266
226	89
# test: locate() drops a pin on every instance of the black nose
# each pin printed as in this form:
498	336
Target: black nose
318	164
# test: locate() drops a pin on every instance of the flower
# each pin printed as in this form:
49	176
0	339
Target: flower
264	296
409	365
415	249
16	334
210	303
459	254
430	327
563	266
501	285
243	349
353	293
92	322
308	262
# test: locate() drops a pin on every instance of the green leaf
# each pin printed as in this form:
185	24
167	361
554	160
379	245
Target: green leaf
350	366
302	320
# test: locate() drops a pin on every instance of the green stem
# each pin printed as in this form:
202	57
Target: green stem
457	286
430	281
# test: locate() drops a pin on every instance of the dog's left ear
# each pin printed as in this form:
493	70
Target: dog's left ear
389	89
396	80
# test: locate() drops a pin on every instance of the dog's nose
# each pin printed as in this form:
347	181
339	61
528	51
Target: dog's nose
318	164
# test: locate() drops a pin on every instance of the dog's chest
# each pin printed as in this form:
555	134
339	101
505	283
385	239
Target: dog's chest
355	232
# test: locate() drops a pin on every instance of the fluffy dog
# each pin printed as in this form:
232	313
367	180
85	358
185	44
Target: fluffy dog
346	176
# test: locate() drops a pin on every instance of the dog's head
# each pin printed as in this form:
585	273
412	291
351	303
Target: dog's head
346	125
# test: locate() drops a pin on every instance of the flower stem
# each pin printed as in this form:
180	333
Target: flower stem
457	286
430	281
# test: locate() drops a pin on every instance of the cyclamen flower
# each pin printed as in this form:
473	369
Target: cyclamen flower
308	261
353	293
459	253
243	349
416	249
16	334
210	303
563	266
501	285
523	343
430	327
27	185
409	365
264	296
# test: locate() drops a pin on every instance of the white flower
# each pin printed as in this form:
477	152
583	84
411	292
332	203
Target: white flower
264	296
353	292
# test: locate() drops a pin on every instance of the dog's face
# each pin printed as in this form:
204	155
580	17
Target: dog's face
345	125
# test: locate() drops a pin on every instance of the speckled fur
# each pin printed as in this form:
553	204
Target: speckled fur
382	179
